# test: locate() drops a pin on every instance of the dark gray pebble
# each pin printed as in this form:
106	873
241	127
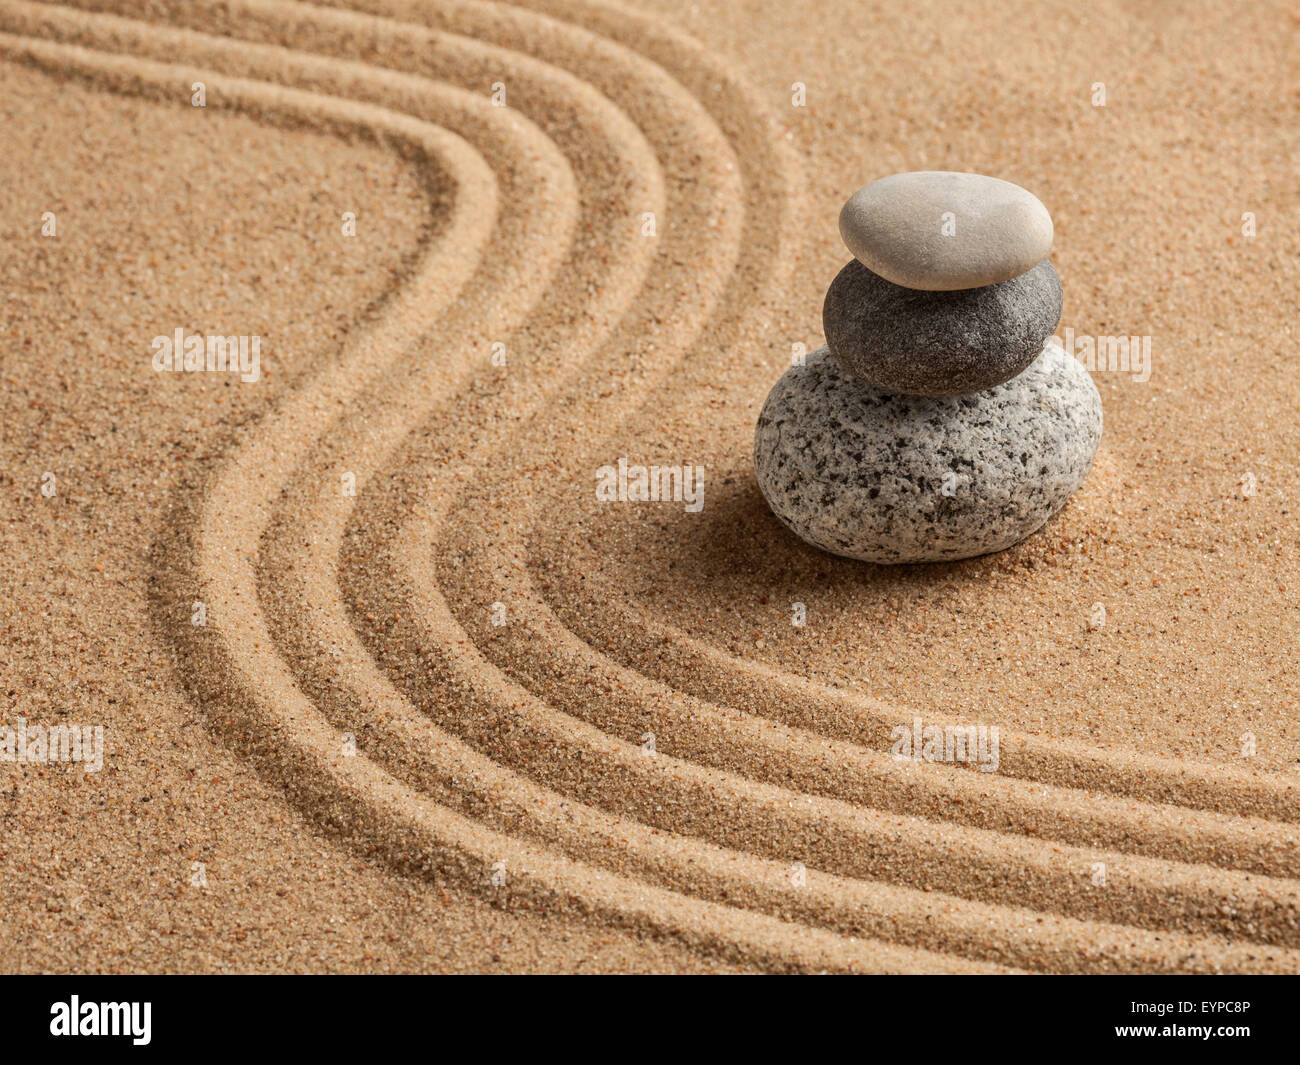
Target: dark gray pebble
903	340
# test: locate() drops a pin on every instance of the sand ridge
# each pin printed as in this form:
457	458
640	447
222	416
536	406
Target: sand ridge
523	744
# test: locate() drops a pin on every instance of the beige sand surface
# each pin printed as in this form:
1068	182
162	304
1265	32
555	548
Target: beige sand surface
416	730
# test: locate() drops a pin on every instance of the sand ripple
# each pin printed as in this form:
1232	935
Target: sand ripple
369	616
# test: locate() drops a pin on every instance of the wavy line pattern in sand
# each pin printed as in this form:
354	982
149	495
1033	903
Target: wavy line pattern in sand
1033	757
429	662
352	792
1276	848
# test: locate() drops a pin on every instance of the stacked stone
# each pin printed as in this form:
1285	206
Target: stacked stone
938	423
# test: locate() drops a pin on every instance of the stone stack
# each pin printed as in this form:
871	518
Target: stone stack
938	423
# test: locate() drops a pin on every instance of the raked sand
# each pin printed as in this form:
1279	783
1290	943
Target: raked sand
448	711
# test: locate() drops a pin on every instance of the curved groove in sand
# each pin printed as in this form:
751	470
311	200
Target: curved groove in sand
667	652
1212	843
581	760
795	747
1066	765
1273	846
1062	763
826	764
349	789
324	649
451	637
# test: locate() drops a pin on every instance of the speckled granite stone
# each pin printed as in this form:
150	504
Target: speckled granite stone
939	343
889	478
941	230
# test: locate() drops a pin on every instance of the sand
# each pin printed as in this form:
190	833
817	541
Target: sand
465	717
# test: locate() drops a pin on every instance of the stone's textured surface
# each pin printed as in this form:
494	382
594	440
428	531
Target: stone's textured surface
939	343
888	478
896	227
